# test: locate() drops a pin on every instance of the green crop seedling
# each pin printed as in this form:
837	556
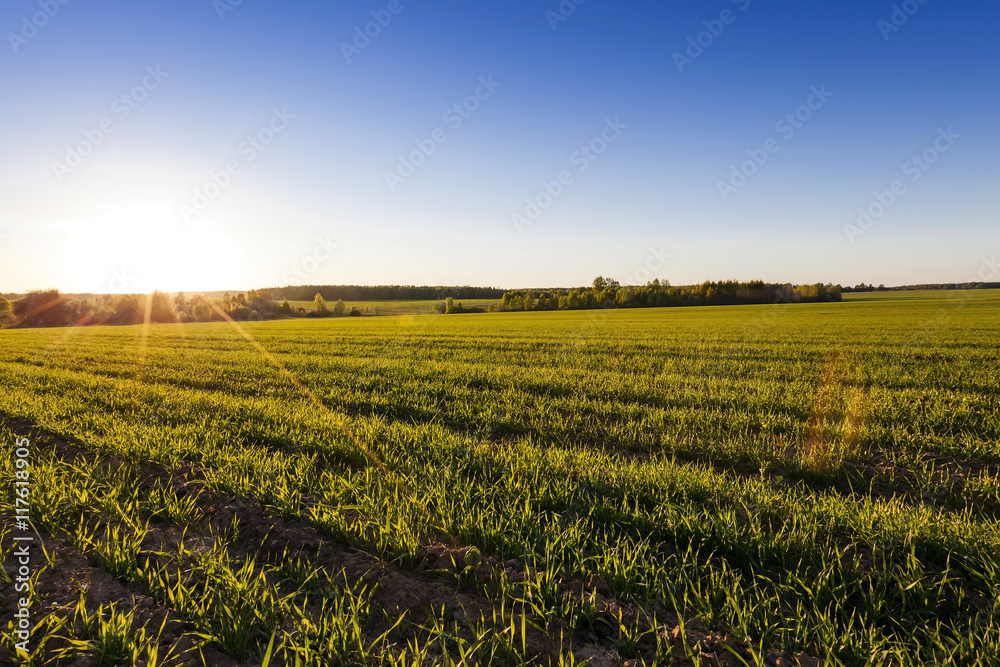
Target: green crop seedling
687	486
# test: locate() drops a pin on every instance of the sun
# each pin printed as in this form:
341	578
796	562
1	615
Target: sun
141	249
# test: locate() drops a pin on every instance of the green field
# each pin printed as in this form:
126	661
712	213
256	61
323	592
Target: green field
760	485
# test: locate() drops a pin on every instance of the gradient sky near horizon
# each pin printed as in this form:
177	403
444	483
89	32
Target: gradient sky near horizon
313	205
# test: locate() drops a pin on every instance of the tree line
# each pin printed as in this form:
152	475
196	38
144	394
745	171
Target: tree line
50	308
608	293
380	293
924	287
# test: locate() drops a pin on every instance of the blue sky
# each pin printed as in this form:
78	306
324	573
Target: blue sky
304	135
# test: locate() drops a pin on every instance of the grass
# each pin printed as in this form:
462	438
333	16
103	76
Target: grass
667	486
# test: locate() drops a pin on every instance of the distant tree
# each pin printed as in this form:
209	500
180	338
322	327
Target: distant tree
340	307
286	308
600	283
449	305
625	298
44	308
241	313
127	309
202	310
6	312
319	303
261	305
161	309
180	303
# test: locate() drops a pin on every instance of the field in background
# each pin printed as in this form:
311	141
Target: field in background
397	307
670	486
915	295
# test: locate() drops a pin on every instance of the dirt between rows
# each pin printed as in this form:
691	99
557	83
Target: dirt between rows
396	589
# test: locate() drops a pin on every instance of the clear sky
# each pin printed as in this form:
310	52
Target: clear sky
204	145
